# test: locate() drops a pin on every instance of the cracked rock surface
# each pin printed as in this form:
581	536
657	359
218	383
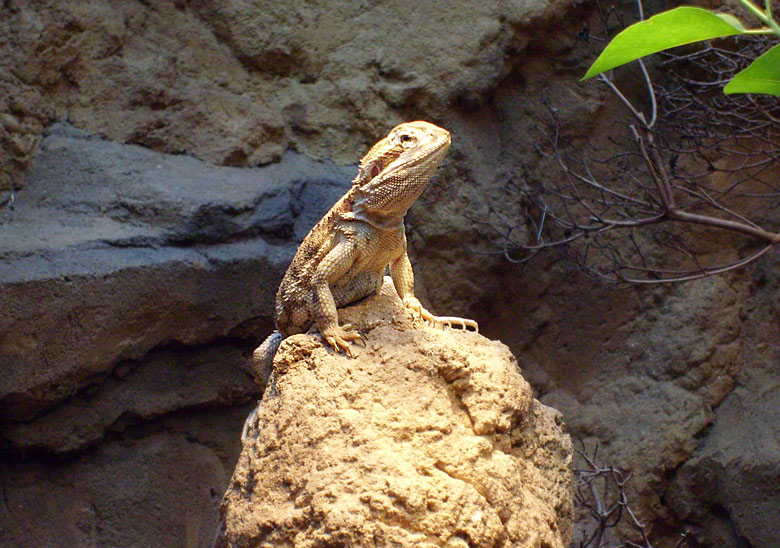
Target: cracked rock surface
429	437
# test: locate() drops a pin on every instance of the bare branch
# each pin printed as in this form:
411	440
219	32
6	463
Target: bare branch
703	162
602	491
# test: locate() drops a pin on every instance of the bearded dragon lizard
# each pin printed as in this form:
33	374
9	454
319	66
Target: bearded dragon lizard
346	254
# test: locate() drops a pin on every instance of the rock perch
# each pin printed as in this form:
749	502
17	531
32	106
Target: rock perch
429	437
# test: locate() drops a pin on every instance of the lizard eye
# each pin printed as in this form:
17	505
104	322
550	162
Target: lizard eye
374	170
407	140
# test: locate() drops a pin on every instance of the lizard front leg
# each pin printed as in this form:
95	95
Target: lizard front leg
403	280
336	264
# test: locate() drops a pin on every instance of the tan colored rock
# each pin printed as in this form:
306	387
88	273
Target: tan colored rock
429	437
237	82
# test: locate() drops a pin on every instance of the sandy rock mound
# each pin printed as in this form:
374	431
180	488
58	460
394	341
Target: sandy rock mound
428	438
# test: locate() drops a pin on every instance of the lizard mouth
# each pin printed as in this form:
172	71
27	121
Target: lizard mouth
432	155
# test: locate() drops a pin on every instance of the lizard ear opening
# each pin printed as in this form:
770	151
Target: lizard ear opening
368	173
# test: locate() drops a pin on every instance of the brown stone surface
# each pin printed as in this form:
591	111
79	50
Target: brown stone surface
656	379
428	438
238	82
160	485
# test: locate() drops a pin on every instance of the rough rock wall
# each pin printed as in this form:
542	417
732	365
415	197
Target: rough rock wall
238	82
675	384
134	284
427	438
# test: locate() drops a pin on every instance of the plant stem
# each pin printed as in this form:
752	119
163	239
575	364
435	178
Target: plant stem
764	17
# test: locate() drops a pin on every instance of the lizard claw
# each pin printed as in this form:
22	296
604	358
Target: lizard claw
353	335
339	338
415	306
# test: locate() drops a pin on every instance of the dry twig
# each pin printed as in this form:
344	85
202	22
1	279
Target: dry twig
629	217
601	490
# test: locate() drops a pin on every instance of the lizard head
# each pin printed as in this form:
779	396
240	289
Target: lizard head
396	169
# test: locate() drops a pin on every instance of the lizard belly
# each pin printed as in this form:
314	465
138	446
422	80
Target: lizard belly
297	317
362	284
365	276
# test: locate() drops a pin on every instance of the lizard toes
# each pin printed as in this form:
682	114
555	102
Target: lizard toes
350	334
332	342
463	323
339	345
341	338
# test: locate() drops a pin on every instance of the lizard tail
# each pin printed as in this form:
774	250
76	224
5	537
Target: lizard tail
263	357
249	424
262	363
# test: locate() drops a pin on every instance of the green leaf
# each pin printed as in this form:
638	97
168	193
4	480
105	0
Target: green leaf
731	20
666	30
761	76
